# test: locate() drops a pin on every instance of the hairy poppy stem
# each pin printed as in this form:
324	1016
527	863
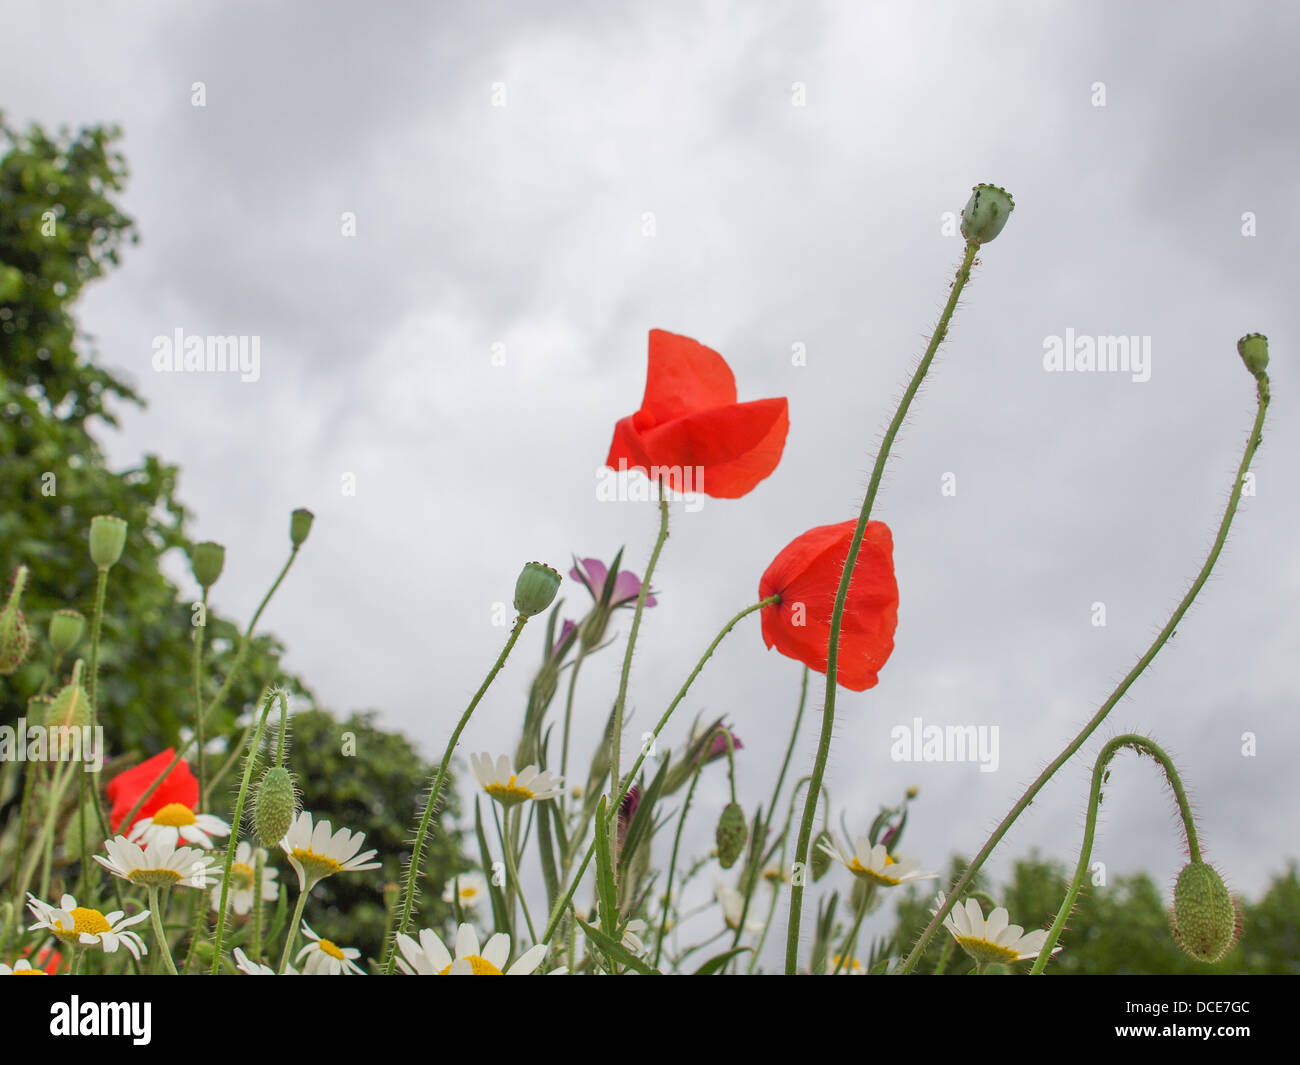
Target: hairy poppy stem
837	617
616	733
1251	445
1143	746
417	849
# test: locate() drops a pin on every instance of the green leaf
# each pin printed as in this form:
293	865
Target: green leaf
718	962
485	856
605	888
615	950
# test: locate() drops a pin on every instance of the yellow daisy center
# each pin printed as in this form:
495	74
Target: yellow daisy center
328	947
852	965
241	876
84	920
29	972
316	866
481	966
468	892
174	815
858	869
509	793
985	952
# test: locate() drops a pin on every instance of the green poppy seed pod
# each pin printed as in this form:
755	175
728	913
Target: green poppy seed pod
1253	349
274	805
1204	916
732	832
985	213
66	629
208	560
300	525
107	539
14	640
535	590
821	861
70	709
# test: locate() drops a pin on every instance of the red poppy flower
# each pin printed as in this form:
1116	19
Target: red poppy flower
807	577
691	431
124	789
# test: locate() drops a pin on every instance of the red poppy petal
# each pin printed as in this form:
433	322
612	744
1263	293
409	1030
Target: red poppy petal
626	451
181	786
684	376
734	446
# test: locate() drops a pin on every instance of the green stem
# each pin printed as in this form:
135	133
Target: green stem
512	868
1251	445
291	935
672	865
156	917
417	850
237	819
198	699
851	941
96	624
259	865
219	698
568	717
837	615
616	734
1143	746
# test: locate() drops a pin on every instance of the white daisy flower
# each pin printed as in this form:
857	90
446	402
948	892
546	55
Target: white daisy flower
851	967
875	864
473	889
22	967
733	904
315	853
245	964
242	874
994	940
429	957
509	788
175	823
326	958
160	864
775	875
81	925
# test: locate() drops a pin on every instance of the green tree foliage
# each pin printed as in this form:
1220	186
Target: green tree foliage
59	229
1123	927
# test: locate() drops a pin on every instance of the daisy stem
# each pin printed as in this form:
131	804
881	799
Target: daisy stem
237	819
837	616
198	911
851	942
417	849
517	887
616	733
945	956
672	864
161	936
291	934
1143	746
1161	639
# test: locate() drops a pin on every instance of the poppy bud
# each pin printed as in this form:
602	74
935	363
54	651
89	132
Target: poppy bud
71	707
274	805
535	590
985	213
821	861
13	628
208	560
1204	916
66	627
300	525
732	832
1253	349
107	539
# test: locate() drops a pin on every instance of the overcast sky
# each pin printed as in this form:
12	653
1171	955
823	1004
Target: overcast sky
549	182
